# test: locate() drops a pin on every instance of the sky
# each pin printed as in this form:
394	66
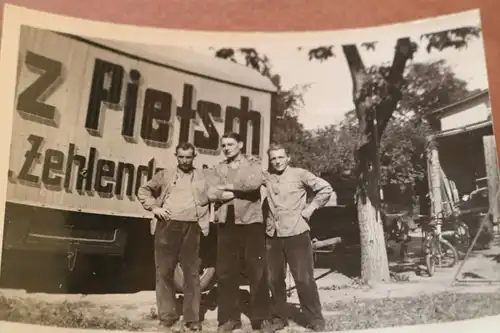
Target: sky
330	93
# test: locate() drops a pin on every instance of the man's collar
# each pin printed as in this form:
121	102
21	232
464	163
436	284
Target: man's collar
180	171
238	158
272	172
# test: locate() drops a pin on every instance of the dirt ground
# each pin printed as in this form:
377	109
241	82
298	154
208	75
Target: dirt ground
481	270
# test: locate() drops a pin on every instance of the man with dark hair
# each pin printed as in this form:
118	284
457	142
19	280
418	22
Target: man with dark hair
235	188
288	239
178	199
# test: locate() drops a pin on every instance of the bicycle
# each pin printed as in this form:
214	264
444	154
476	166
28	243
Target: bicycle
455	231
459	236
435	247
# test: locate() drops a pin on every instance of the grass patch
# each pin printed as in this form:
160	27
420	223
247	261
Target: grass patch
63	314
152	315
424	309
355	283
343	315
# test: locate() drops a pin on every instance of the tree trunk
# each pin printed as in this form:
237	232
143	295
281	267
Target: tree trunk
374	262
373	120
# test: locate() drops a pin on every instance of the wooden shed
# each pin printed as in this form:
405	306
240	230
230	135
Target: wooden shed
462	153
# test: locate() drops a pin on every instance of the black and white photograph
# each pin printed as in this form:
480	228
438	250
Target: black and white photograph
312	185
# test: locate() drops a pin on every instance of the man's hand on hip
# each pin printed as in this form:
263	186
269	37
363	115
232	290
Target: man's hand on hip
307	213
161	213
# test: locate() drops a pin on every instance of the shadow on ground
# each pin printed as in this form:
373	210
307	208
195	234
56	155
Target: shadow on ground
494	257
347	261
209	303
493	252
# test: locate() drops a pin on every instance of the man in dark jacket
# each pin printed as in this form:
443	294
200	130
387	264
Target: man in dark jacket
235	189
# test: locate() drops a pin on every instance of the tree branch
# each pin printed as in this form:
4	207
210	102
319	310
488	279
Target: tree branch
356	65
404	51
358	76
321	53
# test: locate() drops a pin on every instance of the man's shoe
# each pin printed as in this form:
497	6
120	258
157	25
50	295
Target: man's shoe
193	326
256	324
317	327
269	326
169	322
279	324
263	326
229	326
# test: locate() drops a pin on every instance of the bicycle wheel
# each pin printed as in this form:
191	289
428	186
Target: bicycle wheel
430	248
448	254
444	255
430	263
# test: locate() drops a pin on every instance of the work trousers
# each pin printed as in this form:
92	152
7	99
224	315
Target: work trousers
237	245
177	242
297	252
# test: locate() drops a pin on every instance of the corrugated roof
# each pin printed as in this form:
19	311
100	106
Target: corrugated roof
439	112
190	62
463	129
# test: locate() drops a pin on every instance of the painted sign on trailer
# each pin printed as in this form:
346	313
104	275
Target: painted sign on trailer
92	123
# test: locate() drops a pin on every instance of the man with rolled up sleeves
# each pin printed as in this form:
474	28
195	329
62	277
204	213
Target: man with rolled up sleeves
288	238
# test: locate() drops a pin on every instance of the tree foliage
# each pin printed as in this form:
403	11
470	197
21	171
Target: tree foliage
456	38
378	88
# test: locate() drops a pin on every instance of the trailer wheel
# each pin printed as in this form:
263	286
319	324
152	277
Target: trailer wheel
207	278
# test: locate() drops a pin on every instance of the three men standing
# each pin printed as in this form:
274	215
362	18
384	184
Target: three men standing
178	199
262	237
288	239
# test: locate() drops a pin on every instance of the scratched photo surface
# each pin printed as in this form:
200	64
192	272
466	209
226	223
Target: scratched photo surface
95	119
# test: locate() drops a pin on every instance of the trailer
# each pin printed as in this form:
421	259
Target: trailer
94	120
